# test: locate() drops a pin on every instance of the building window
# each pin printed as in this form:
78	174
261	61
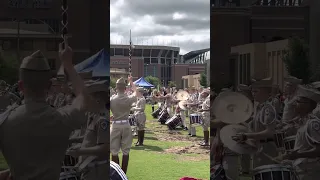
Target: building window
26	45
118	52
248	72
52	64
240	68
146	60
146	52
52	45
154	60
111	51
137	52
155	52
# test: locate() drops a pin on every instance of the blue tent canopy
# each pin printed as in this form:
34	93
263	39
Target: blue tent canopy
98	64
143	83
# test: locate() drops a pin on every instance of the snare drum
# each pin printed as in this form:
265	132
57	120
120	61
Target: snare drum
132	120
163	116
289	143
274	172
195	119
174	122
278	139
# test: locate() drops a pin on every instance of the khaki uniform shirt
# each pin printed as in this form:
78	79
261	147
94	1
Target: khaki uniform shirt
97	133
34	138
120	106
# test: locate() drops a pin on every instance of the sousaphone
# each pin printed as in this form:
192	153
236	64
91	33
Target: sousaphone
232	108
182	95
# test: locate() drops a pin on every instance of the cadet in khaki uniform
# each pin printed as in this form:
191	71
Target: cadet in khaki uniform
120	132
34	136
140	115
205	109
96	140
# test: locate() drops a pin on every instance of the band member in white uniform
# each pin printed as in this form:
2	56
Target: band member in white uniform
140	115
316	111
291	84
306	153
205	112
263	123
192	103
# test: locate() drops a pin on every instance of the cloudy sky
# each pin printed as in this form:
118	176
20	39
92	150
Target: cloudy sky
182	23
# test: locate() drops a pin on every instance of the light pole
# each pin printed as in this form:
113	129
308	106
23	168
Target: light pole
147	65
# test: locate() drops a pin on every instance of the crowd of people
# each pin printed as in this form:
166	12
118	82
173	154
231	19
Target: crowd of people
284	129
53	130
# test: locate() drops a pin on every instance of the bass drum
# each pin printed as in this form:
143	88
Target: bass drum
163	117
174	122
155	114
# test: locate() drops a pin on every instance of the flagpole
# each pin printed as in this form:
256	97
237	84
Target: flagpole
130	46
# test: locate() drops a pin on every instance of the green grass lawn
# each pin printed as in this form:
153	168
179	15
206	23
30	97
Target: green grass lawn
168	156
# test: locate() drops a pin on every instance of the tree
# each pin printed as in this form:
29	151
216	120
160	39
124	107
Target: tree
113	82
172	84
153	80
203	80
9	68
296	59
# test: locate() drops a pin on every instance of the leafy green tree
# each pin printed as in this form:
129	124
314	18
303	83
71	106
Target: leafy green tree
296	59
203	80
153	80
9	68
113	82
172	84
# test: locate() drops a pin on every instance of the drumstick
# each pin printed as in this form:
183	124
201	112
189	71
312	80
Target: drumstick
271	158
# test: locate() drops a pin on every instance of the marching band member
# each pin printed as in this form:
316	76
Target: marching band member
306	151
316	111
192	101
120	132
140	115
291	84
263	123
205	109
41	130
96	139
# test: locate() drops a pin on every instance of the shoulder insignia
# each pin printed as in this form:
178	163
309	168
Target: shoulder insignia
104	124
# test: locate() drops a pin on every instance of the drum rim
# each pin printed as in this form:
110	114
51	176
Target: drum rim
271	167
293	137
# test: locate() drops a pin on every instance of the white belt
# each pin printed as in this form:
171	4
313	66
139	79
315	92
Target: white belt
93	164
120	121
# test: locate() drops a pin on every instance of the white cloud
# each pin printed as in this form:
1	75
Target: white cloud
161	22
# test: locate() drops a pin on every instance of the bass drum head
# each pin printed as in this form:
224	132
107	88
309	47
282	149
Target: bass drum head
232	107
